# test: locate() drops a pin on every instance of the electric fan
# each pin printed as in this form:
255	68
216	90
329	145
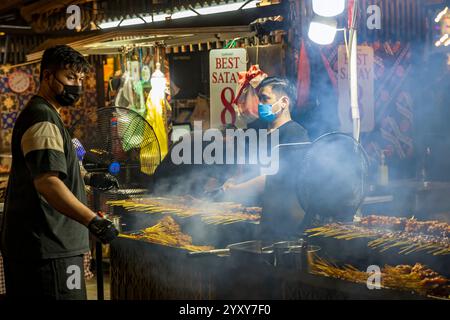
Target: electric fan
316	182
331	179
121	142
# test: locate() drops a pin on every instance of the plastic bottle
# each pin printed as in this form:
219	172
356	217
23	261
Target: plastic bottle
383	171
425	166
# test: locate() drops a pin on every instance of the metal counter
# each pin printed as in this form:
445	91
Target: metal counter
146	271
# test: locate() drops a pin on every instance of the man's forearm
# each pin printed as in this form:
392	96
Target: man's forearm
246	190
255	185
62	199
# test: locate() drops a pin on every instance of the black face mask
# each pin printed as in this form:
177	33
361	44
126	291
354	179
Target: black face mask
69	95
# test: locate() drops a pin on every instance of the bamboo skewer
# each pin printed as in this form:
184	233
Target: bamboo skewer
391	277
216	214
167	233
382	239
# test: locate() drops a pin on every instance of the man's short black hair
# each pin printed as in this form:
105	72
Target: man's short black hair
282	87
61	57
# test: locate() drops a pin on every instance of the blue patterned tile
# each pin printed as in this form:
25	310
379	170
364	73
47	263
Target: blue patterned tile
9	102
4	88
76	115
5	138
66	116
8	120
90	83
90	99
23	100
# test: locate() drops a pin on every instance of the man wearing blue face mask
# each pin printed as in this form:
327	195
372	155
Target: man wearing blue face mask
282	214
276	97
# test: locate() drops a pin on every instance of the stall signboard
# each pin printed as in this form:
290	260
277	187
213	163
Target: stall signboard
224	66
365	89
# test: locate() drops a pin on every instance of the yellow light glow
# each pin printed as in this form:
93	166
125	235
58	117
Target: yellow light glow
440	15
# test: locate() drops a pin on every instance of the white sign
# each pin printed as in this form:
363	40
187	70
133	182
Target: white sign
365	89
224	68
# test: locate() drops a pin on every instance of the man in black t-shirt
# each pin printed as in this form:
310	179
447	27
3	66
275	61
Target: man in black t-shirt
282	213
45	225
275	96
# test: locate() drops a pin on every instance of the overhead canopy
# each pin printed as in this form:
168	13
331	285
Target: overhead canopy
31	26
114	41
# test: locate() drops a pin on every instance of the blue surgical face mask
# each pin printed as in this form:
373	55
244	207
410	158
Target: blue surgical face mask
265	111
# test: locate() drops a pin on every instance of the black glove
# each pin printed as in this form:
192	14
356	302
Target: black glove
103	229
215	194
102	181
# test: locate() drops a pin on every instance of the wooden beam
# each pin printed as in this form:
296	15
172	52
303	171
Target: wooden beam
243	17
16	31
206	38
119	43
100	51
99	70
44	6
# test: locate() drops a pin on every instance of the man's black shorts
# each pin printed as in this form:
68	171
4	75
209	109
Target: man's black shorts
55	279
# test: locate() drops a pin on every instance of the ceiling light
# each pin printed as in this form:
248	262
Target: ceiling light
183	14
328	8
131	22
109	24
322	31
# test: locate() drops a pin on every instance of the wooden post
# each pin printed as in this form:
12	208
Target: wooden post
99	83
5	55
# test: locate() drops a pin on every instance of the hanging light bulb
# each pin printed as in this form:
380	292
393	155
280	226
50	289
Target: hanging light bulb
328	8
158	83
322	31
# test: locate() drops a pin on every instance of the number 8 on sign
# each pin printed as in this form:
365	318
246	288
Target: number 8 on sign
228	106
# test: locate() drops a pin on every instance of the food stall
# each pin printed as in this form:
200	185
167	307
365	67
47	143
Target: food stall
183	247
180	255
193	247
188	247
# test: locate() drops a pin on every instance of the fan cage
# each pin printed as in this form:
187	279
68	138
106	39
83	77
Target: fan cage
120	141
332	177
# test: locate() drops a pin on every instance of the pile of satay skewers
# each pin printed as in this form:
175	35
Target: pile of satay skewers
210	213
404	240
417	278
168	233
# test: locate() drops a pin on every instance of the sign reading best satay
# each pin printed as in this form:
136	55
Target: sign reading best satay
224	66
365	89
